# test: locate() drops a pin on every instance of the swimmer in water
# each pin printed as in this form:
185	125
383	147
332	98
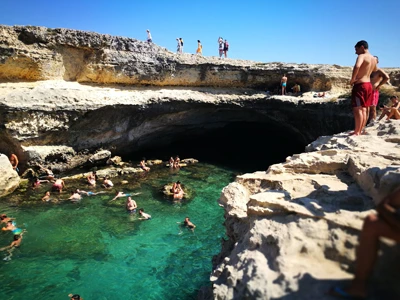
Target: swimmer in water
5	219
144	216
131	205
75	297
89	193
188	223
75	196
11	226
15	243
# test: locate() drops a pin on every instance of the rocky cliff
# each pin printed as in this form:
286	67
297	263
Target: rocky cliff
293	229
39	53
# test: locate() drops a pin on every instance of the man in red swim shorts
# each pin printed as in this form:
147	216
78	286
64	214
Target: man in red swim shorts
361	96
378	78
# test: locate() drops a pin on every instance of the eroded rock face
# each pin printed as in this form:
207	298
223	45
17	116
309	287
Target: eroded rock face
38	53
9	178
293	229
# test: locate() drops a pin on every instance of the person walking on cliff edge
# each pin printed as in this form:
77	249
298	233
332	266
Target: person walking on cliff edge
361	94
149	39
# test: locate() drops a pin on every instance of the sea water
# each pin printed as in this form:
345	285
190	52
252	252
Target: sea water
98	250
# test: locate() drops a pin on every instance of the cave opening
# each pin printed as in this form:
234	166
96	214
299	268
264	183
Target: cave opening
243	146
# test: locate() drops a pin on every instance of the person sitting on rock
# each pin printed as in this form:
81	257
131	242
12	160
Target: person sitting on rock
296	89
143	164
91	178
188	223
58	185
107	183
177	162
384	224
178	191
392	112
45	173
36	181
171	162
46	196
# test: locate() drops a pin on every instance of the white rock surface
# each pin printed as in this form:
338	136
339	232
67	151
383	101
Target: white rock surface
293	229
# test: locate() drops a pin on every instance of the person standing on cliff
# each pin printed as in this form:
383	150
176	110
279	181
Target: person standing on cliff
283	84
220	46
149	39
199	50
226	48
361	95
14	162
378	78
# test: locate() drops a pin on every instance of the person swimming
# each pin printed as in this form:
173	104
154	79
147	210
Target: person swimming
5	219
144	216
15	243
11	226
75	196
89	193
188	223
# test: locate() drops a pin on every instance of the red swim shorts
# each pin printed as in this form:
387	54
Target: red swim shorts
375	97
361	95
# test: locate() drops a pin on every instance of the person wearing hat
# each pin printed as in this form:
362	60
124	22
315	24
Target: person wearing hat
149	39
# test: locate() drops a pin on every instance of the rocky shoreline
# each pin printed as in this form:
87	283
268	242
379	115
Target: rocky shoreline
293	229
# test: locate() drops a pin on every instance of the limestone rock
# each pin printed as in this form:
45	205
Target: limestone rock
99	157
295	227
9	179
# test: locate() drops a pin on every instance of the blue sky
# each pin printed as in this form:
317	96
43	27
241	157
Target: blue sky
308	31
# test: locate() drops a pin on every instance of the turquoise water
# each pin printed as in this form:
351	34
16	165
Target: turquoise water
96	249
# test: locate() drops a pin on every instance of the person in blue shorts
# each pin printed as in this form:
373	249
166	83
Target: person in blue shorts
283	84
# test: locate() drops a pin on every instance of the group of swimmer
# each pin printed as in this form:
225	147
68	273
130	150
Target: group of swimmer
17	232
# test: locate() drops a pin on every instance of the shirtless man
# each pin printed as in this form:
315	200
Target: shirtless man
15	243
283	84
378	78
131	205
107	183
14	162
58	185
361	95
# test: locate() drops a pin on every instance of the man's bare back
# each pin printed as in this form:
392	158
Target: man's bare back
365	65
284	79
378	76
